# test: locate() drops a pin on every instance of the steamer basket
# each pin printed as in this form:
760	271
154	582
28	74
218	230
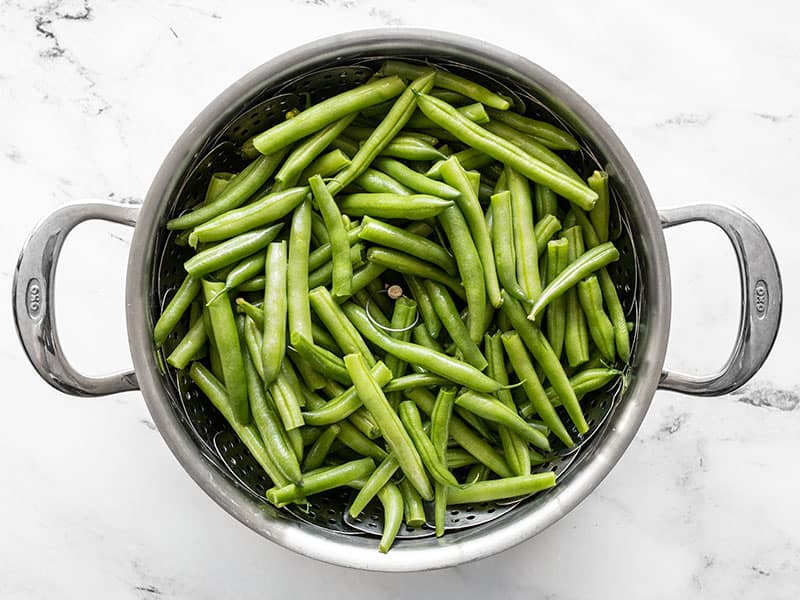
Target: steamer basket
202	440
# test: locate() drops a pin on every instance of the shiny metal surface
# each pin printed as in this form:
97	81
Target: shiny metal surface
762	300
33	298
193	433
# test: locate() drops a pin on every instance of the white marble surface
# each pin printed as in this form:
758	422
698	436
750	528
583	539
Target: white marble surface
707	99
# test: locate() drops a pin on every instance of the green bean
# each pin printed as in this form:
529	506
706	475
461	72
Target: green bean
514	447
393	432
495	146
340	245
585	265
440	433
414	180
423	338
404	316
322	254
448	315
238	190
454	175
347	402
378	182
411	148
557	260
583	382
302	157
499	489
525	248
576	333
390	236
189	346
384	134
476	473
363	277
544	230
226	339
409	416
546	202
245	271
407	382
454	370
273	346
287	399
326	112
393	206
320	481
412	504
266	209
469	159
533	148
319	450
600	213
324	275
458	457
410	265
469	267
475	112
326	165
363	421
450	96
346	145
349	435
299	312
231	251
342	330
503	242
427	312
537	343
218	182
253	341
175	309
600	327
448	81
273	436
319	233
361	134
309	375
214	360
493	410
324	361
377	479
615	310
392	501
463	435
215	392
547	134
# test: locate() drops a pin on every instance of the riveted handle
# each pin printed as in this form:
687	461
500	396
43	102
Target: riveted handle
762	296
33	298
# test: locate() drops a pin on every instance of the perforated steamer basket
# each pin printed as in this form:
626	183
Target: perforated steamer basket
202	441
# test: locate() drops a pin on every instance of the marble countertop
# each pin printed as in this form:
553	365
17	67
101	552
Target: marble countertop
705	502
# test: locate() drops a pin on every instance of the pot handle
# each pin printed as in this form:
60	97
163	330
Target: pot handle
33	297
761	300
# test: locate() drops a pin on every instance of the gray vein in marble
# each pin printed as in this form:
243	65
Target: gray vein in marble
774	118
14	156
765	395
45	16
684	119
672	426
210	15
149	424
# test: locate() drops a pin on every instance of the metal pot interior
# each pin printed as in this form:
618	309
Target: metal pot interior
194	429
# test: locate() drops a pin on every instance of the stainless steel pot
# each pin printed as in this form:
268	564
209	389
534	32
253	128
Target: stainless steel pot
151	272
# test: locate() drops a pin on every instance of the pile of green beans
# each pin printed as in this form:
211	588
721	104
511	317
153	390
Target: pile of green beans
360	299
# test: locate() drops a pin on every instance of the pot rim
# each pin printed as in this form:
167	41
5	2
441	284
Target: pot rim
465	545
